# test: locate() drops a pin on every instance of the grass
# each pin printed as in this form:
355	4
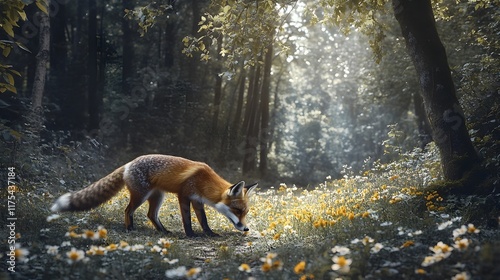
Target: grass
381	224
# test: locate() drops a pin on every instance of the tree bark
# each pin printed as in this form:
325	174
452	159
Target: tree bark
74	106
218	89
445	115
127	50
42	60
264	110
239	106
59	51
94	102
424	130
170	41
252	133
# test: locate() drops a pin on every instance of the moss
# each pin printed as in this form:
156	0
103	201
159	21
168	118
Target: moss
475	181
482	210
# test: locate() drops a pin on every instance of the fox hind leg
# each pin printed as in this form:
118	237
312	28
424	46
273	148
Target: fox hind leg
155	200
136	200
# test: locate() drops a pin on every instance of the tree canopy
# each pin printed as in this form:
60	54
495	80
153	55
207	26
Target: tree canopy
267	83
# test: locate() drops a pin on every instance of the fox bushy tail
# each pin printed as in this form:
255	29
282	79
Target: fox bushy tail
92	196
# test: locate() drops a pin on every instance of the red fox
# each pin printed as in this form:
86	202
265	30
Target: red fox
148	177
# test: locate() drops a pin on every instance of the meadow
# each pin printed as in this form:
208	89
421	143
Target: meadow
385	223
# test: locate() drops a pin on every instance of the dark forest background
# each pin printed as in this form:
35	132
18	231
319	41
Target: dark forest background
127	78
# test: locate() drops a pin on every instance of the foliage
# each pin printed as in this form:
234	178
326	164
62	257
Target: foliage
246	27
12	11
147	16
479	89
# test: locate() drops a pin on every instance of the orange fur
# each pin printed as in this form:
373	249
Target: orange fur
148	177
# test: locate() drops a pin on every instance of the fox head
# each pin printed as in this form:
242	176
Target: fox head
235	204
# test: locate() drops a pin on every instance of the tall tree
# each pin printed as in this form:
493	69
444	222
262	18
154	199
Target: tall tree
239	105
42	60
416	18
128	49
251	123
74	105
93	102
264	110
217	87
58	52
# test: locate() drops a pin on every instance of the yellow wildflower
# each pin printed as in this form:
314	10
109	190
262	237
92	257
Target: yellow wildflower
102	232
75	255
407	244
300	267
461	276
341	264
21	253
277	236
472	229
245	267
193	272
461	244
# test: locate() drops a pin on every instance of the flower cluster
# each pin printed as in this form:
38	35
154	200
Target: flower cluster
101	233
269	262
340	262
442	251
75	255
183	272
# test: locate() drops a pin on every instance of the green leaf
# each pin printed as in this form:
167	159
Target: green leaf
203	27
15	72
6	51
42	7
23	47
4	87
9	78
22	14
8	28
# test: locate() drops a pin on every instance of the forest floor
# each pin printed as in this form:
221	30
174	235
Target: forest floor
382	224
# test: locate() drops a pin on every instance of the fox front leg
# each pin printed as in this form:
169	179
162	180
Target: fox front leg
185	205
202	218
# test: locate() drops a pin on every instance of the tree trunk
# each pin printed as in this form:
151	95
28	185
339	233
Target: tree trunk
239	106
42	61
102	57
446	119
424	130
192	63
59	51
170	41
218	89
264	110
252	132
74	106
251	83
127	50
94	102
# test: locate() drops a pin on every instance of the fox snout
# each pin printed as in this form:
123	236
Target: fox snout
241	226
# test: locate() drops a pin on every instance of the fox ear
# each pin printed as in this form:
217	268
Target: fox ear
250	189
237	189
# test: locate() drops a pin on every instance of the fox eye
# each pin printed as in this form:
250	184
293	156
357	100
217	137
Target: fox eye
237	211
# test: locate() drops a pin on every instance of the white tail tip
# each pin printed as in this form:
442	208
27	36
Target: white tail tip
62	203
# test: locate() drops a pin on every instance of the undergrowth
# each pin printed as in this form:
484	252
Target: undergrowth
381	223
